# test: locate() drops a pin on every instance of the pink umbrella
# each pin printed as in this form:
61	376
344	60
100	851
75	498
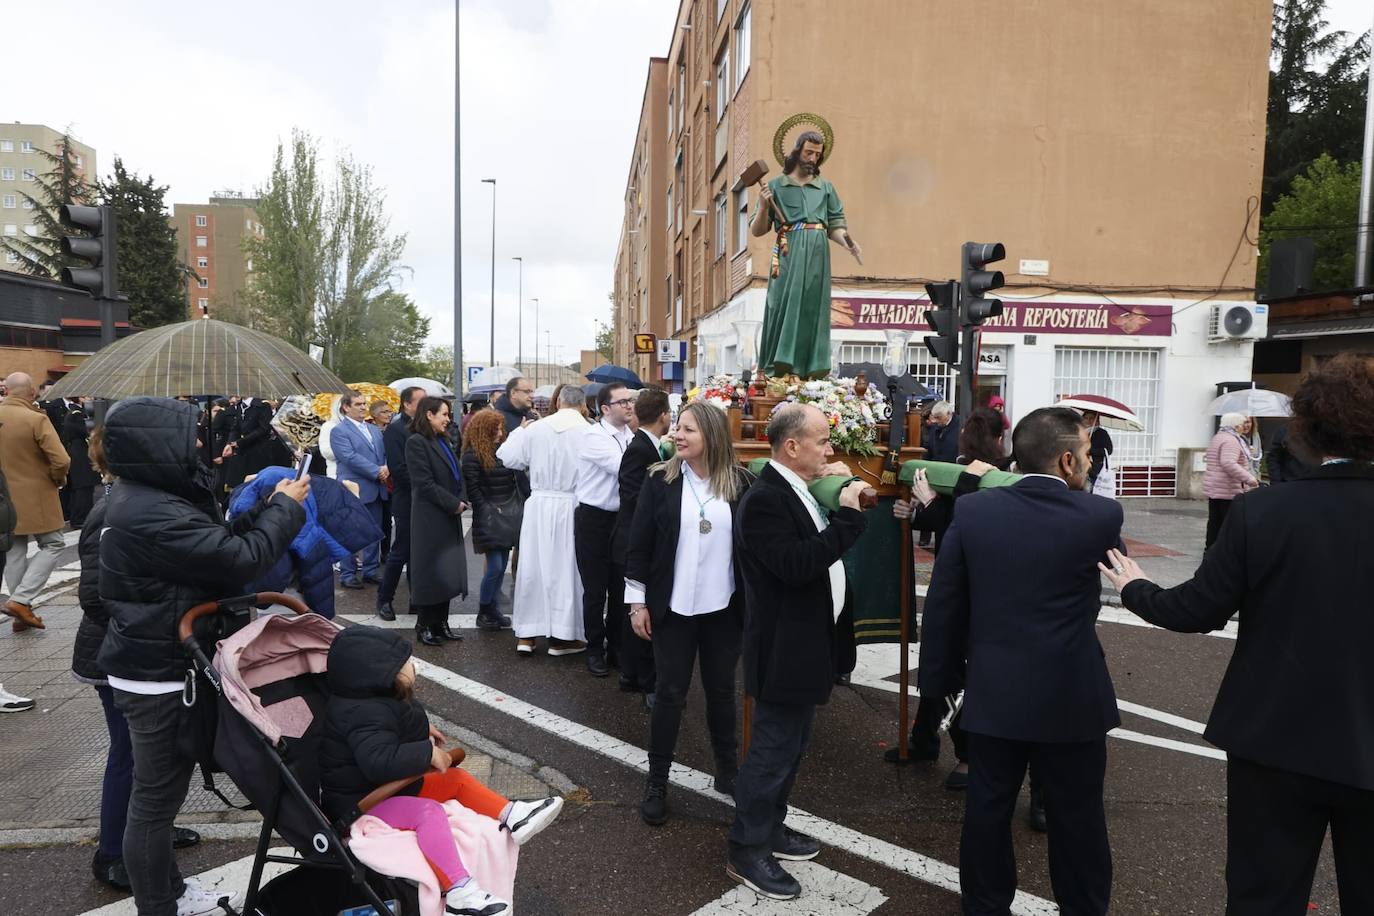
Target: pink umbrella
1111	414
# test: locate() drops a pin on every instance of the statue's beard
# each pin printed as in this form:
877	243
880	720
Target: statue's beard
808	168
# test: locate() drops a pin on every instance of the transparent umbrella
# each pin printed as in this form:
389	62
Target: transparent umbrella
1253	402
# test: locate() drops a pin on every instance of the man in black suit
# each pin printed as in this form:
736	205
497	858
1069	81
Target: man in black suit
251	443
653	413
394	441
798	634
1038	692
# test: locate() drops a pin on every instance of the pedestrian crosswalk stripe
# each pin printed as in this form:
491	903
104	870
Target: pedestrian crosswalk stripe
825	892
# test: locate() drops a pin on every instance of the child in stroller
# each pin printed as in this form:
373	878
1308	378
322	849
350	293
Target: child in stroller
378	732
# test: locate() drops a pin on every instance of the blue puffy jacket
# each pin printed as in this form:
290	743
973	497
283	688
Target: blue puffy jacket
337	525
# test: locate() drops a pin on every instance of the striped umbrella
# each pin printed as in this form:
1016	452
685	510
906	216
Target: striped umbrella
195	358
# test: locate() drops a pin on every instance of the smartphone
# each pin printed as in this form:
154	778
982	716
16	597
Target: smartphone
303	465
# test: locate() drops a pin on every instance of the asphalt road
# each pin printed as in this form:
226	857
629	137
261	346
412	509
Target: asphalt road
891	833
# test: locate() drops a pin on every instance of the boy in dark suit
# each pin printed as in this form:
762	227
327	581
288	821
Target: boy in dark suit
1038	692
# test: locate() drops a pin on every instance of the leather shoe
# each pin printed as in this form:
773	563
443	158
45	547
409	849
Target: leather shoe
842	680
763	875
384	611
373	580
914	754
184	837
654	808
596	664
956	780
725	781
1036	815
448	632
351	582
23	614
111	872
425	636
628	684
487	618
795	847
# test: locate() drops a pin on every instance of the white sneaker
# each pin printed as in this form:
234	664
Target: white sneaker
197	901
471	900
526	818
13	702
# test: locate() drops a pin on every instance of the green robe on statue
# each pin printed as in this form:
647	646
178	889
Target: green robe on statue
796	321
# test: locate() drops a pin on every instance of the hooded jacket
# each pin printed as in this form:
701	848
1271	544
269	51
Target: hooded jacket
164	548
514	415
371	737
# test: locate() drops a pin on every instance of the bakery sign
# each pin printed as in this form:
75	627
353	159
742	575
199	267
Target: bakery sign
1035	316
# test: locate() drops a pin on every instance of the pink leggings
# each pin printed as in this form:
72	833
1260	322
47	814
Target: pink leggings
427	818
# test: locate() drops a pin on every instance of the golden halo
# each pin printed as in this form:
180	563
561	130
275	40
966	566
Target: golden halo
805	117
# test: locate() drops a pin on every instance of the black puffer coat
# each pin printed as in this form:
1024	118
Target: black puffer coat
485	487
371	737
165	548
91	633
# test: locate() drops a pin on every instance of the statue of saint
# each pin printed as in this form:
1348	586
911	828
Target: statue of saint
805	212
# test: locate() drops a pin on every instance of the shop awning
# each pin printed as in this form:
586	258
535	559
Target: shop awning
1300	330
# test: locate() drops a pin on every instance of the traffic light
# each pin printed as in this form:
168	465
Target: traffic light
97	249
943	320
974	281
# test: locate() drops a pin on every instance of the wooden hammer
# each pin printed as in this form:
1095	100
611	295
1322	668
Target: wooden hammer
754	174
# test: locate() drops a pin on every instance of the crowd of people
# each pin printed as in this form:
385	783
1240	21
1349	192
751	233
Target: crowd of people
638	541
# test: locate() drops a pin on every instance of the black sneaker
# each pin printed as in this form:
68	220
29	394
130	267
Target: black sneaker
764	876
596	664
111	872
385	611
654	808
956	781
184	838
914	753
795	847
487	618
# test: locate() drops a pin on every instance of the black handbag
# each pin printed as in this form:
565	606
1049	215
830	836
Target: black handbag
501	521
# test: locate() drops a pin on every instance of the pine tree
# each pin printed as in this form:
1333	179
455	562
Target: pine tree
150	274
63	183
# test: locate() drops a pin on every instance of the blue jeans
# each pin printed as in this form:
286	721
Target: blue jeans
493	576
119	779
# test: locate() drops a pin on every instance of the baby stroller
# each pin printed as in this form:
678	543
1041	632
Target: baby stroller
269	691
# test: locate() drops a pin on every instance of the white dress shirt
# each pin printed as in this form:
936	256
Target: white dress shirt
704	564
837	580
598	466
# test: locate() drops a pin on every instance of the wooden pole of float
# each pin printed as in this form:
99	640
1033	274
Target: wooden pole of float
904	641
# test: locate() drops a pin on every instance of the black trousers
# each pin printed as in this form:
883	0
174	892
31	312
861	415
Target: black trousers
925	731
1275	824
603	581
636	658
678	643
1216	514
1072	777
779	736
399	556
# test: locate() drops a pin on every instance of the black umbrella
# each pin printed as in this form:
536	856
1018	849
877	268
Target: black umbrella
907	385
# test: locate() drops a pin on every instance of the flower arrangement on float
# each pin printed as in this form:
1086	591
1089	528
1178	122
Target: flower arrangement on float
853	407
724	391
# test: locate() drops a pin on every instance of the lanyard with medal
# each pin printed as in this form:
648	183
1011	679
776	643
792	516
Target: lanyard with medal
704	525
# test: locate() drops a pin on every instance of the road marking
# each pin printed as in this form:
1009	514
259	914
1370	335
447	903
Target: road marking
889	855
231	878
1110	614
825	892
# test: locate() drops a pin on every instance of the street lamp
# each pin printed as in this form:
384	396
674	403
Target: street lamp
520	319
492	182
536	340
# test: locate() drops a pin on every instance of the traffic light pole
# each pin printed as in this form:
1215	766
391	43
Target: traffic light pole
105	303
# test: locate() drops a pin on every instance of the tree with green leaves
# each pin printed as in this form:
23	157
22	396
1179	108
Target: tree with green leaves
387	342
150	274
1322	204
63	183
438	364
1317	88
605	338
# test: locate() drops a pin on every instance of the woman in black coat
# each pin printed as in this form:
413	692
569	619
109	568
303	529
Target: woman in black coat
685	594
438	564
496	492
1293	710
82	478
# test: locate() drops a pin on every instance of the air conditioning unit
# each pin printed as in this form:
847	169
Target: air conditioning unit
1237	321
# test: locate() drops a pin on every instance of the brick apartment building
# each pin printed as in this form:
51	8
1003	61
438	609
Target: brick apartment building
1116	151
210	238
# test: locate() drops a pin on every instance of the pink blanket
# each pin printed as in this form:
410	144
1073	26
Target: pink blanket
488	853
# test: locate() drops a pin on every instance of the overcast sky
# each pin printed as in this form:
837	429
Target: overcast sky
551	98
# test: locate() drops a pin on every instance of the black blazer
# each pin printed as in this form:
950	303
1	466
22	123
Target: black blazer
1026	609
1294	560
652	552
640	455
394	439
793	646
253	434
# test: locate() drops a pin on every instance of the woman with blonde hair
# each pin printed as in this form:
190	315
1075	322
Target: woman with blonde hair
682	585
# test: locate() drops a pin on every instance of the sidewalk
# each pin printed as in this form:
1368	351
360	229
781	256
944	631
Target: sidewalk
53	757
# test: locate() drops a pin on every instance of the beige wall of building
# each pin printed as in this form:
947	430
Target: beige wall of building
639	291
1122	143
210	239
20	165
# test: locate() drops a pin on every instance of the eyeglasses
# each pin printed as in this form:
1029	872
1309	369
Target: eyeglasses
623	402
524	391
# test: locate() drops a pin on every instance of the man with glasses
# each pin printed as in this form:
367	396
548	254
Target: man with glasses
517	404
598	502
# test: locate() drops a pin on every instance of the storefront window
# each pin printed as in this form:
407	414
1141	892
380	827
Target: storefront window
1128	375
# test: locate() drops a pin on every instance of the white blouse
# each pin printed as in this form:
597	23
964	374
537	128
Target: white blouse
704	565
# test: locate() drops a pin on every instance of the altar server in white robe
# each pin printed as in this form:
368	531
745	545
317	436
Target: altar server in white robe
548	589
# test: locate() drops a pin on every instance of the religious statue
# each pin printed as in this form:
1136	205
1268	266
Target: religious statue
805	212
